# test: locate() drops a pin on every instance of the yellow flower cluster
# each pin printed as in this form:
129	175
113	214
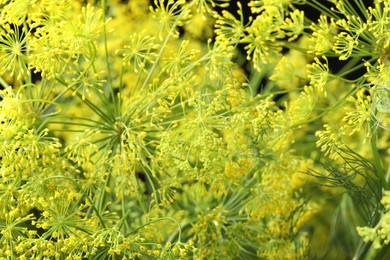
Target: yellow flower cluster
192	129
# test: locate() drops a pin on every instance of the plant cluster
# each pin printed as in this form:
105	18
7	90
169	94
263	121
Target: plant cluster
194	129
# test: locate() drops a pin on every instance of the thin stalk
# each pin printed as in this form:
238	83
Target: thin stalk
68	130
362	250
157	60
254	82
96	110
104	8
154	221
134	88
323	9
103	193
120	99
382	252
147	169
146	81
124	214
350	67
338	104
81	119
70	123
3	83
375	153
93	107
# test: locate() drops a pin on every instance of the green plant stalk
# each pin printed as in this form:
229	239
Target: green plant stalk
156	220
104	7
364	247
162	48
380	255
375	153
362	250
3	83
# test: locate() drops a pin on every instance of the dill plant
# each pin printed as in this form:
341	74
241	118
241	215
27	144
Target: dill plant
185	130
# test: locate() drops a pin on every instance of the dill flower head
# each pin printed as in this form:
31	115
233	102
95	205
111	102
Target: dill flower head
179	59
228	27
205	7
344	45
84	82
219	62
81	149
361	114
294	25
322	38
60	41
257	6
18	12
318	73
139	51
262	37
90	24
170	15
14	114
13	48
330	141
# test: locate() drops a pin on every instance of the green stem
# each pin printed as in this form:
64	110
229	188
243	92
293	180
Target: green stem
3	83
323	9
364	247
154	221
382	252
103	197
362	250
104	7
146	81
375	153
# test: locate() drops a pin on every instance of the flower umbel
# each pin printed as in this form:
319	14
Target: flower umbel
13	48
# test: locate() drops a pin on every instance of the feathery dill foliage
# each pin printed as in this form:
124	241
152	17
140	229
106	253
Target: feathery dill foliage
193	129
